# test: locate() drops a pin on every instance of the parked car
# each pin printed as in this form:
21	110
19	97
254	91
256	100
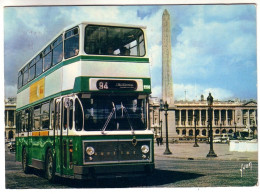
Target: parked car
223	138
217	139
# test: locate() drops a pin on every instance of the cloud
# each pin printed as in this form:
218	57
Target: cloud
212	45
194	92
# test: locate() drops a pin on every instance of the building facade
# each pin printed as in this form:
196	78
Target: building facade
228	117
10	120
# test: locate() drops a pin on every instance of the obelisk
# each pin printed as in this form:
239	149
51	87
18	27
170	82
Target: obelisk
167	81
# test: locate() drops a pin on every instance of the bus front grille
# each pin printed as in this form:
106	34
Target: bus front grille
117	151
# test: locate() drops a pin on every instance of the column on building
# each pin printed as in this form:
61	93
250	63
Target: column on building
186	119
199	117
219	112
213	117
255	117
193	117
7	118
226	122
180	117
233	117
248	117
14	119
207	117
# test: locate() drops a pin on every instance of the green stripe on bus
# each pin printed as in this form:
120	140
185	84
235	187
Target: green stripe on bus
84	58
115	59
45	99
81	84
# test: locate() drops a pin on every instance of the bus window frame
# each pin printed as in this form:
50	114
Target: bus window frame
39	58
20	79
36	108
32	66
74	49
42	114
115	53
47	52
25	70
56	43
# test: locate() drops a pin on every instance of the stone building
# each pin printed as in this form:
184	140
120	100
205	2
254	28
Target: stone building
10	121
228	117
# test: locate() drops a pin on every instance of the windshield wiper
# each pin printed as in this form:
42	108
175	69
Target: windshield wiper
128	117
109	118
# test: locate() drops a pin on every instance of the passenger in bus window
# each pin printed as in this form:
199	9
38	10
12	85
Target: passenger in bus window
124	51
110	51
76	52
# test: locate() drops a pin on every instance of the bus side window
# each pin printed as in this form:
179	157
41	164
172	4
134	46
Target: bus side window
47	58
57	116
25	75
78	116
71	114
52	114
57	50
32	72
45	116
18	122
23	119
20	79
71	43
65	118
36	118
38	65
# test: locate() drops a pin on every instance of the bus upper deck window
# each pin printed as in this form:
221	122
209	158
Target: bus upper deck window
71	43
58	50
112	40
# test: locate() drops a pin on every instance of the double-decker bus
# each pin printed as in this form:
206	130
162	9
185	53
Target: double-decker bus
82	104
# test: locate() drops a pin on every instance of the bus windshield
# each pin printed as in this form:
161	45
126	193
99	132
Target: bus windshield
111	113
109	40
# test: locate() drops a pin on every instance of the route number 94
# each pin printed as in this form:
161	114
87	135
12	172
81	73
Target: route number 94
103	85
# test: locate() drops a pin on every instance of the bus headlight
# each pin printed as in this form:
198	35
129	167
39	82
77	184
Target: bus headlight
90	151
145	149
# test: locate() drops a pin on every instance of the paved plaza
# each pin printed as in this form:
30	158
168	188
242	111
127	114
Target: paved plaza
187	151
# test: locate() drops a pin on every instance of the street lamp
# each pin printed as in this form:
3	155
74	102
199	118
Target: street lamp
161	139
195	144
166	108
210	104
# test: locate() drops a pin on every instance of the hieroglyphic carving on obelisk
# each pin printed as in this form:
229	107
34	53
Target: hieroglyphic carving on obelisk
167	81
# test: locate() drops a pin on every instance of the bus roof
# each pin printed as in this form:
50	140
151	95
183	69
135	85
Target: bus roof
78	24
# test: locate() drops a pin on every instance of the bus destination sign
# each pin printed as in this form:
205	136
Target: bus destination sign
116	85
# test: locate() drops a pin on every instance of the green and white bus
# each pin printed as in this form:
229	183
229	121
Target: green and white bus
82	104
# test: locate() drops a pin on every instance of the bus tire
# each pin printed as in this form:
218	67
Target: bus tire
50	166
26	168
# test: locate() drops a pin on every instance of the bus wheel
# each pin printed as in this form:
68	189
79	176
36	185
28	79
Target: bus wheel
50	167
26	168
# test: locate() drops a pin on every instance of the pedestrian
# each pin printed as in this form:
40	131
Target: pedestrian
158	140
161	141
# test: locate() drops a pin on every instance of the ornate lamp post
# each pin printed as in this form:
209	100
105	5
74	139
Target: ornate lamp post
166	107
210	103
195	122
161	139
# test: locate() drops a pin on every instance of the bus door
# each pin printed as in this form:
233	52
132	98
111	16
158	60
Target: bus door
57	132
67	124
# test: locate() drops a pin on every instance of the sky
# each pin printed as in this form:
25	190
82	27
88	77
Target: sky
213	46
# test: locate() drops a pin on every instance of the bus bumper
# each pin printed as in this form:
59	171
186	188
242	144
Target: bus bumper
92	172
